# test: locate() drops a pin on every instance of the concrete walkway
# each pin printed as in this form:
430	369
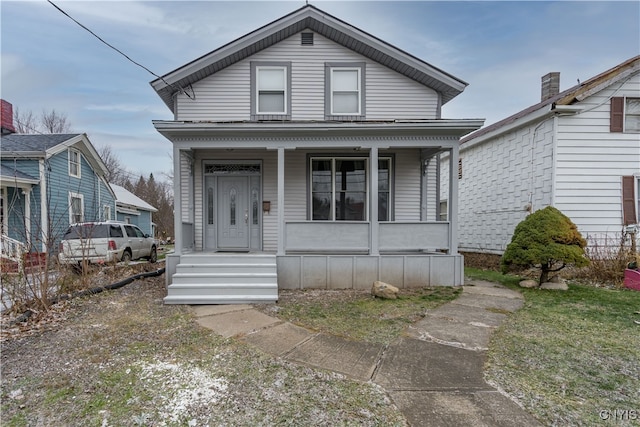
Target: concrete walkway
433	373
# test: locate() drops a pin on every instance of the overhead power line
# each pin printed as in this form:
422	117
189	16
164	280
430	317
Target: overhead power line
118	50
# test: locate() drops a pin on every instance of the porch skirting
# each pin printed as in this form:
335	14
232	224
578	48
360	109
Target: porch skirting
302	271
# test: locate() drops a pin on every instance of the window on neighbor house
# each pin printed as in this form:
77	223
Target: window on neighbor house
339	189
271	91
443	214
625	115
74	163
344	92
630	199
76	208
106	215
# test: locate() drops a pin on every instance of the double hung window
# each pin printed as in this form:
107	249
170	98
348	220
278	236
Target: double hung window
344	93
625	115
271	91
74	163
76	208
339	189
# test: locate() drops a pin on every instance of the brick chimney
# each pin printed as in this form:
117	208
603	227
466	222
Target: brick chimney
6	117
550	85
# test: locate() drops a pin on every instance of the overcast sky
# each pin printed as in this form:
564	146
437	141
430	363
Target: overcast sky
501	49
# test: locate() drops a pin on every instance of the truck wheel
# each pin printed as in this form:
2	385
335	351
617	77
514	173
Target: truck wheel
153	256
126	256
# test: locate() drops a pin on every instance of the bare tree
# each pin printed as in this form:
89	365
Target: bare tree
25	122
48	122
54	122
116	172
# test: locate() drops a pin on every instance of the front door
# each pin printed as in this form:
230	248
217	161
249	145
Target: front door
233	213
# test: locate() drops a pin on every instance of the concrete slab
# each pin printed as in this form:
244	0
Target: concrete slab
210	310
454	408
492	291
280	339
410	364
465	314
354	359
489	302
451	333
237	322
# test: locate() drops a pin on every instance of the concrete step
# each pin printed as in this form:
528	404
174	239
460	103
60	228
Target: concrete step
225	278
222	299
224	258
226	268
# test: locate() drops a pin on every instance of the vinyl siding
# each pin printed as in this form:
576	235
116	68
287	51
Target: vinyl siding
499	178
226	94
406	187
591	161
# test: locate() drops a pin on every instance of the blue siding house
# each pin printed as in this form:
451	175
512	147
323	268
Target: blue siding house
133	210
46	183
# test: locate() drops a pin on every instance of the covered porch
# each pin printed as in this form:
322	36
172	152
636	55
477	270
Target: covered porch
384	218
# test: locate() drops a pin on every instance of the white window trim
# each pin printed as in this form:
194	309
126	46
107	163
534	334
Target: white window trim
106	213
72	196
328	108
359	90
285	94
79	163
367	185
625	114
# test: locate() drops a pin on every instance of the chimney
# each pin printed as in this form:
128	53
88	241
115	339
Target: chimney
550	85
6	117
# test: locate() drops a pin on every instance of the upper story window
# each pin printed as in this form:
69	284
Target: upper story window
270	90
344	91
74	163
625	115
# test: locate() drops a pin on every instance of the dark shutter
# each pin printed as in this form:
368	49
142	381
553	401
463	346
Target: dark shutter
617	114
628	200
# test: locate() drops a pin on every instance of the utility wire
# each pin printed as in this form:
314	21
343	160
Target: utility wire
118	50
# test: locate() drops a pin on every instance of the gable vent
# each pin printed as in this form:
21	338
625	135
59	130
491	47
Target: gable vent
307	39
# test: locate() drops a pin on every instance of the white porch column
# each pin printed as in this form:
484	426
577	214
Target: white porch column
281	225
27	215
44	214
177	204
453	199
375	228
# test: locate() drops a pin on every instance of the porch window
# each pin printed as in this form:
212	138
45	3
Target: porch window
339	189
344	92
270	90
76	208
74	163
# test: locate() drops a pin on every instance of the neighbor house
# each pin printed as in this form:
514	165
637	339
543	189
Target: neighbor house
131	209
577	150
305	156
47	182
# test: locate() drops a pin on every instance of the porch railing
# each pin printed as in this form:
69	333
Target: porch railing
12	249
355	237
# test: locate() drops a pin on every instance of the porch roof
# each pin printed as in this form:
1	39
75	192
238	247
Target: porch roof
9	175
266	134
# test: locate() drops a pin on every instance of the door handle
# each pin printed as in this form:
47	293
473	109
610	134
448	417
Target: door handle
246	216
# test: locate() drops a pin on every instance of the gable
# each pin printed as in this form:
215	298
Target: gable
312	18
226	95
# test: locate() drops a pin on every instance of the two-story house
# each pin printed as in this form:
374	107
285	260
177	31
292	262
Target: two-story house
47	182
577	150
306	156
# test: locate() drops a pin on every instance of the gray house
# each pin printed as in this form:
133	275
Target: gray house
305	156
48	182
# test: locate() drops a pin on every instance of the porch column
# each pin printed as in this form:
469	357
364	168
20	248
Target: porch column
177	204
373	159
27	216
281	224
44	214
453	199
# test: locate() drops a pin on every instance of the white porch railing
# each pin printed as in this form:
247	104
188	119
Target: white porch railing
12	249
355	237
